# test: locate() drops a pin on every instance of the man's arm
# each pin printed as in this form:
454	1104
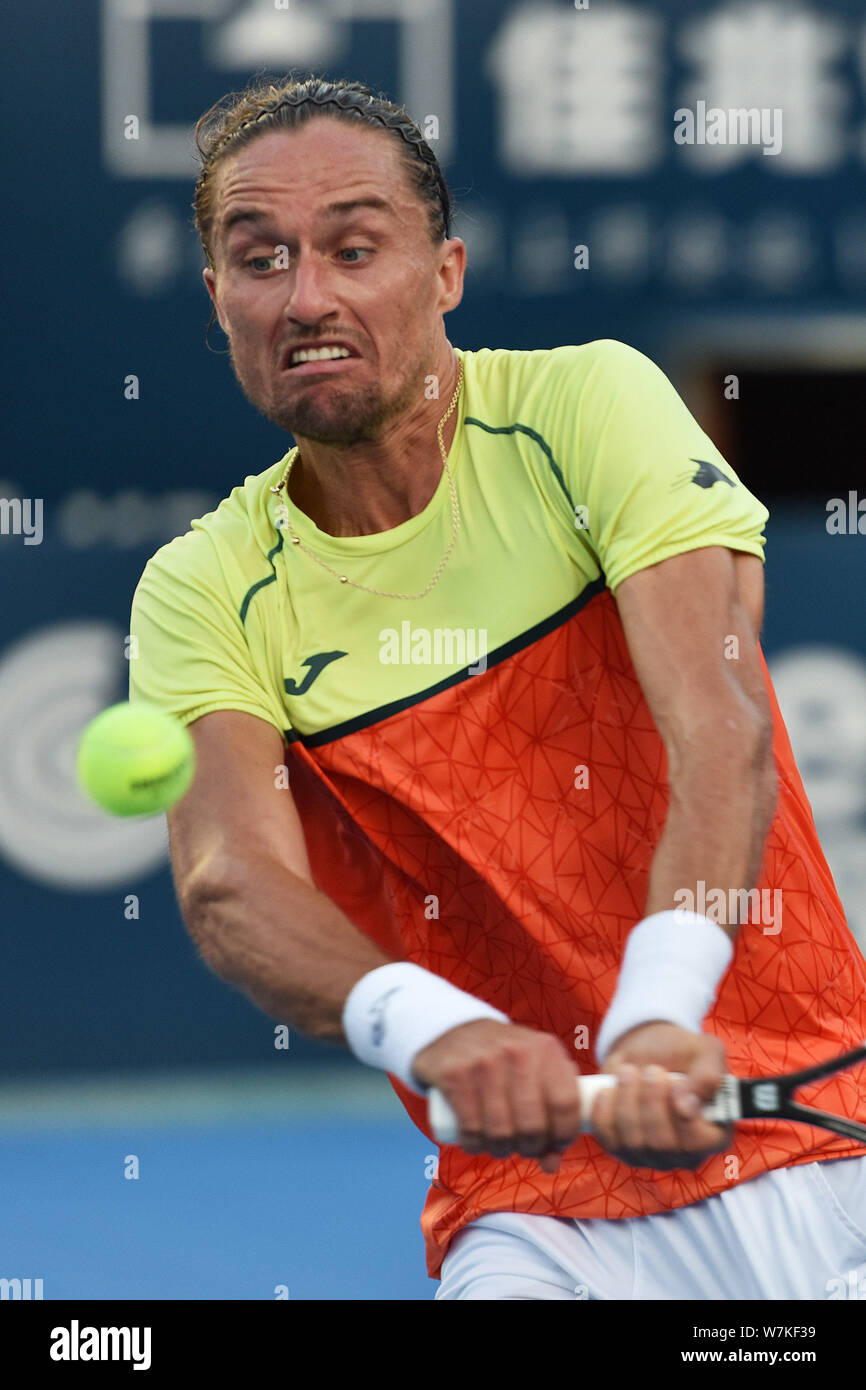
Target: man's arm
692	625
247	897
244	884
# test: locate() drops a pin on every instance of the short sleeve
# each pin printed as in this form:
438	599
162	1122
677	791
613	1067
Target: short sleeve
651	481
192	656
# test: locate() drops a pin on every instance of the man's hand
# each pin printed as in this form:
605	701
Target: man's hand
512	1089
648	1121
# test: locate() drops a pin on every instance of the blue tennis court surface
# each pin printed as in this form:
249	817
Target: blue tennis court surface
245	1184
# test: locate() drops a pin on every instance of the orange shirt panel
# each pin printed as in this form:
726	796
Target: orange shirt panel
456	834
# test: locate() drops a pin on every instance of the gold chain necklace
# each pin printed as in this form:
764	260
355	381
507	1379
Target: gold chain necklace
283	513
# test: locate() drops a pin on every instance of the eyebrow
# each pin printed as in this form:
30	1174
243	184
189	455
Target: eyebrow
344	209
334	210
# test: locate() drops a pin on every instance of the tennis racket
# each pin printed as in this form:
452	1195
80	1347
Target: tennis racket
760	1098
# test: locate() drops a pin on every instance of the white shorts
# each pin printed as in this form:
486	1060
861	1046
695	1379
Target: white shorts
794	1233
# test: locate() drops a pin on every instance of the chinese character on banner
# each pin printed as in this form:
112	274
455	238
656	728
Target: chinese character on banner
580	90
769	57
264	35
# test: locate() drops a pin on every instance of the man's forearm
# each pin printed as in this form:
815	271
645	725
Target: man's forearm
722	803
721	807
285	944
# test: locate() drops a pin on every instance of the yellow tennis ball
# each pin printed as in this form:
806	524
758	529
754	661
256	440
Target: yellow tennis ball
134	760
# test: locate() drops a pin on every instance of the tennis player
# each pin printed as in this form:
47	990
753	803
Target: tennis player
495	620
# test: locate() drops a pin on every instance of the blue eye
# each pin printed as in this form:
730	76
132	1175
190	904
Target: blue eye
253	259
363	250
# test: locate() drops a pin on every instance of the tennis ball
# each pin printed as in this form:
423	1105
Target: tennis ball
134	760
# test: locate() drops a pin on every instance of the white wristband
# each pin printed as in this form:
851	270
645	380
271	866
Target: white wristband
396	1010
671	969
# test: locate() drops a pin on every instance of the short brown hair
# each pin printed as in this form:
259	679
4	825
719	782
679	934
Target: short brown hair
266	105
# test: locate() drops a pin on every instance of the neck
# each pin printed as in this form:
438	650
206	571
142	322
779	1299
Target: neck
375	485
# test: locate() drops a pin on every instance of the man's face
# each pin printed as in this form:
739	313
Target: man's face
357	267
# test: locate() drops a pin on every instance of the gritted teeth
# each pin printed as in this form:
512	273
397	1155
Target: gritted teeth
322	354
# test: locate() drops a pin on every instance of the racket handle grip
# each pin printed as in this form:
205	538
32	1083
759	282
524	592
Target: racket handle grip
443	1120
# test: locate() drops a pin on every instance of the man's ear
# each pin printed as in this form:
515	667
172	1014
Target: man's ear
209	277
451	273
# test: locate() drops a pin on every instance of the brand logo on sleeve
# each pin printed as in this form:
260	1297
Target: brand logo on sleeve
708	474
316	666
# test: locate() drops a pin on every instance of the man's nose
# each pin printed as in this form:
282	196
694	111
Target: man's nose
309	297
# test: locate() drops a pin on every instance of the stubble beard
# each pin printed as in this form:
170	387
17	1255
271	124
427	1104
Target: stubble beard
337	415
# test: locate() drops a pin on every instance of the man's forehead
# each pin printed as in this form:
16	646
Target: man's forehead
349	165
